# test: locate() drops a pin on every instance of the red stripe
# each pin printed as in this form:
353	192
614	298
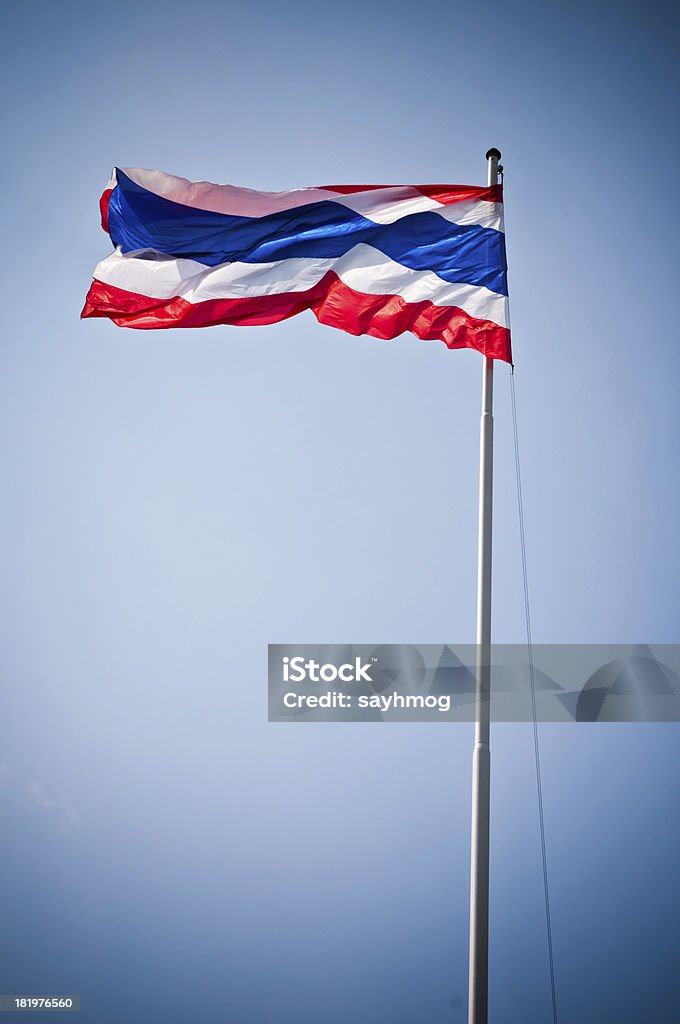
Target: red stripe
445	194
448	194
347	190
104	208
332	302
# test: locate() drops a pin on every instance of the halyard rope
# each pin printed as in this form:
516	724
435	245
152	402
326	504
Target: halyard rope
532	682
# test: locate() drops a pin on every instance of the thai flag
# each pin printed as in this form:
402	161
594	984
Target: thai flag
368	259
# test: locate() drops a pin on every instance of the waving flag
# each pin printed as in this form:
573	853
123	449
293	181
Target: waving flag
368	259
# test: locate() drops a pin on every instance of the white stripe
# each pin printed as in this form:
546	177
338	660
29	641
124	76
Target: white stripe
363	268
381	205
229	199
475	211
387	205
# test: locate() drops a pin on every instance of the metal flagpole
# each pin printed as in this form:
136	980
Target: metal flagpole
478	998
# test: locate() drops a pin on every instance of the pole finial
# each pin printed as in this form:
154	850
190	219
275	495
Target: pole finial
493	153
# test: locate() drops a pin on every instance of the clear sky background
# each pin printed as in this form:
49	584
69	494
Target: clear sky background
173	501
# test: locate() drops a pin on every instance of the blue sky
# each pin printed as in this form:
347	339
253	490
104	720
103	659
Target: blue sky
173	501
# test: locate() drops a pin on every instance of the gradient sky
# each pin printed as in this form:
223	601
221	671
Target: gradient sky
173	501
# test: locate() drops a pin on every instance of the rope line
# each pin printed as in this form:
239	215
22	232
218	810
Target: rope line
532	681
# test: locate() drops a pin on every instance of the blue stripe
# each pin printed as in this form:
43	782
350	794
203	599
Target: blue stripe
466	254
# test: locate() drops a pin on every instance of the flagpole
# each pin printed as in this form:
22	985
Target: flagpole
478	990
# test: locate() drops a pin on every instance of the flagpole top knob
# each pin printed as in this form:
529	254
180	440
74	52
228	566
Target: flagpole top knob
491	153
